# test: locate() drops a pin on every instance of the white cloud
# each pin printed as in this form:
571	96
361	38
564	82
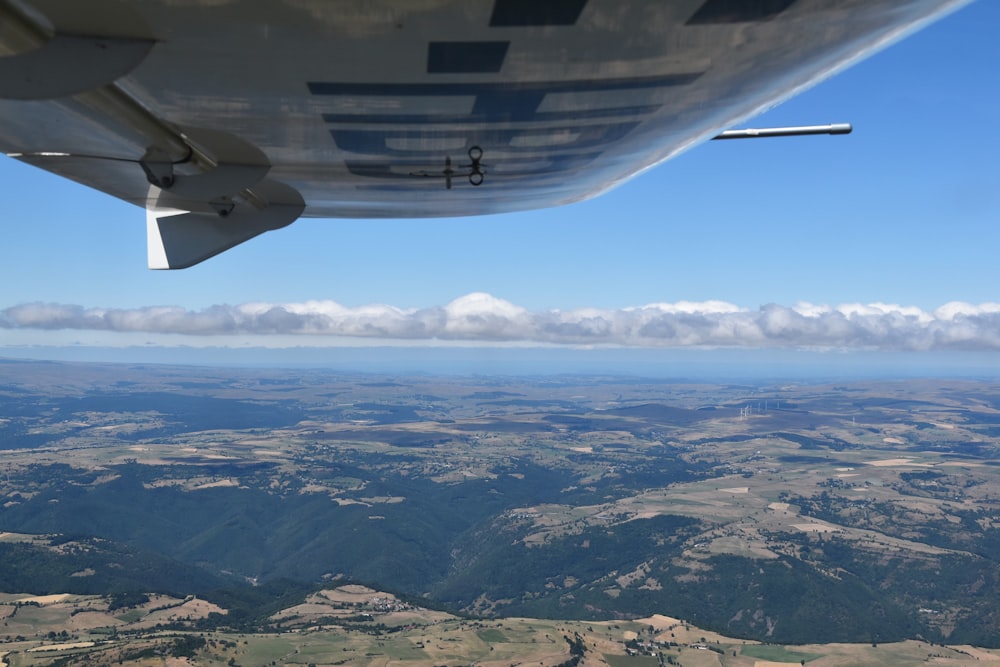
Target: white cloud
483	318
957	309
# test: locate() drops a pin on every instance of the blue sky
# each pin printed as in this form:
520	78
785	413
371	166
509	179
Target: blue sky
904	211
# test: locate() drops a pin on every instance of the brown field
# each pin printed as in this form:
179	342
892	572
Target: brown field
426	638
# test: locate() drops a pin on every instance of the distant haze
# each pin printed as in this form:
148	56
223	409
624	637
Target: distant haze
701	365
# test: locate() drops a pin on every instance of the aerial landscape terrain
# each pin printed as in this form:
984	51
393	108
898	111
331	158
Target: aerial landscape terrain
242	516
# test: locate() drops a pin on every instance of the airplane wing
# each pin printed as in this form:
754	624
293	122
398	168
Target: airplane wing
228	118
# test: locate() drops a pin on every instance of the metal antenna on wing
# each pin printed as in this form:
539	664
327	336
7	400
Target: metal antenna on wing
795	131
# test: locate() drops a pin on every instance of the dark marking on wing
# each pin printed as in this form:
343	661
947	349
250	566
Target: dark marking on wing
491	115
738	11
521	13
466	57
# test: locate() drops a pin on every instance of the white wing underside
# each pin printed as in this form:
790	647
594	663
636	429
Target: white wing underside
228	119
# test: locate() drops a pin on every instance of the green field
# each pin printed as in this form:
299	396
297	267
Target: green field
777	653
492	636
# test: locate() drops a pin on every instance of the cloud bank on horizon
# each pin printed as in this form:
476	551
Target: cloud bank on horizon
483	318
